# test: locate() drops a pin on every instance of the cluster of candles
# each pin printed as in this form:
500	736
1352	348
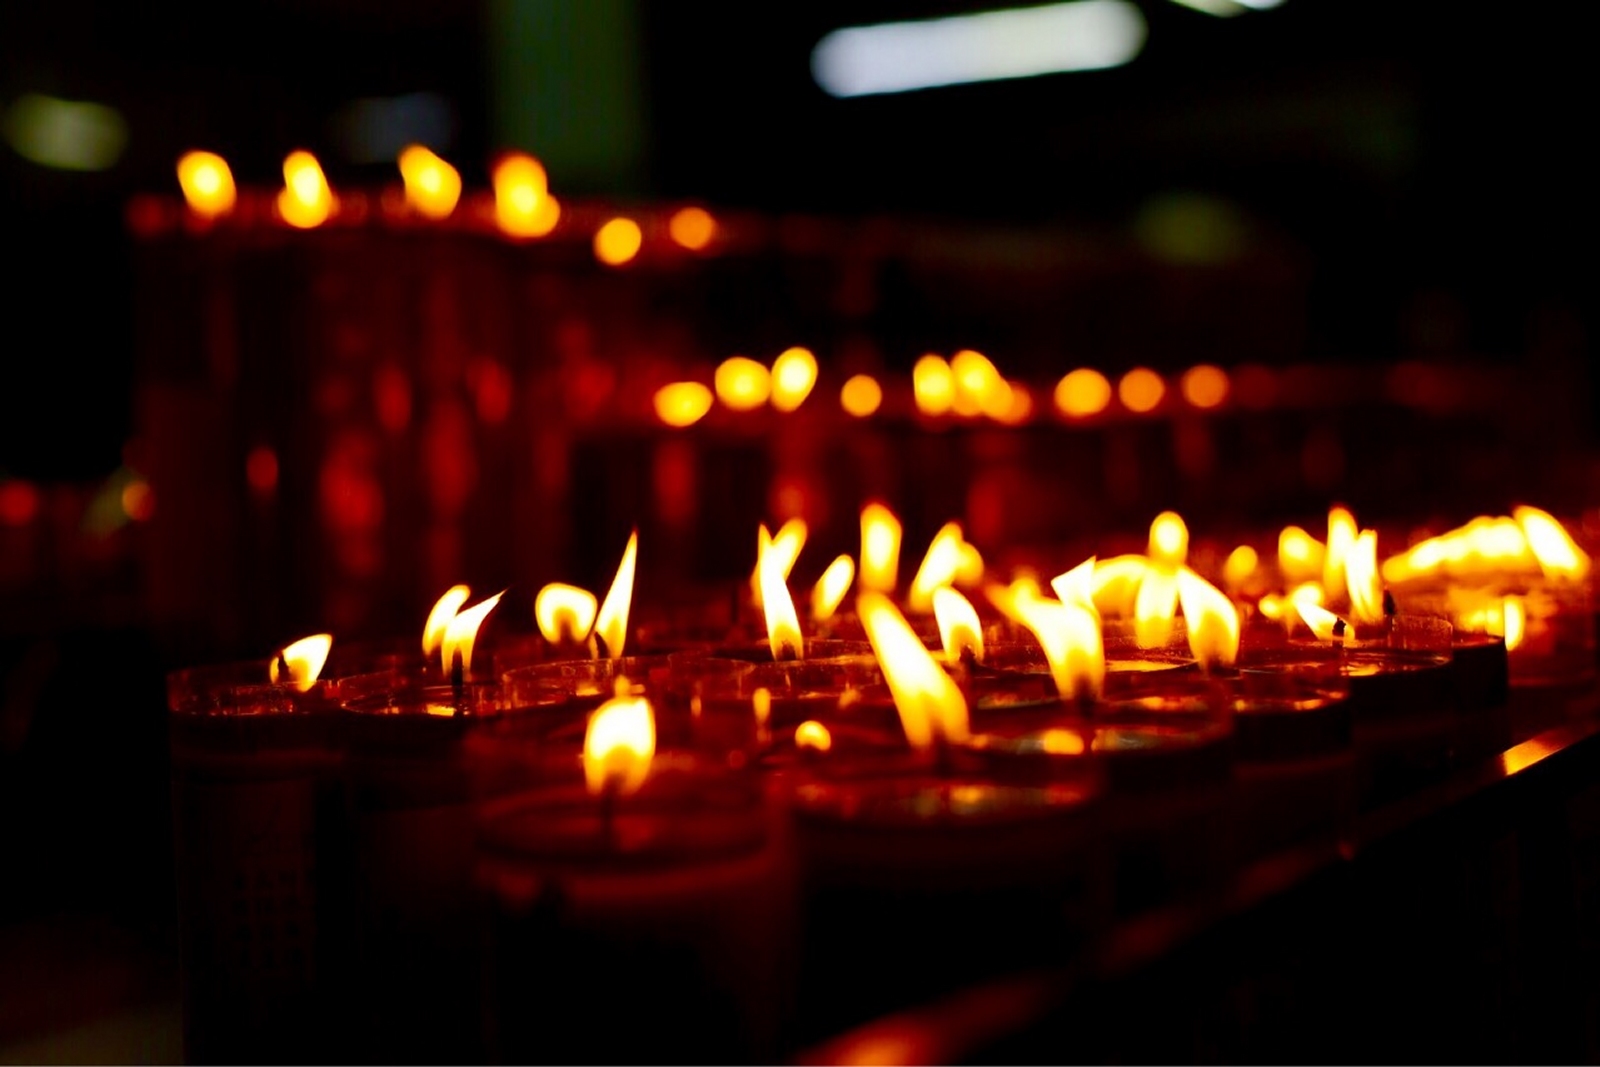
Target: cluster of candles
718	830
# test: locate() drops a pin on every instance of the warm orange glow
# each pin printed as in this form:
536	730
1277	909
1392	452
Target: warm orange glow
692	227
1141	390
138	500
682	403
1156	607
1076	586
618	745
930	704
794	373
1204	386
861	395
1116	584
305	201
1082	392
300	663
880	549
1014	600
783	624
1169	539
565	613
1559	556
1361	578
1342	532
618	241
1211	618
611	624
1240	566
938	567
207	184
830	589
444	609
1069	634
960	631
742	384
523	205
785	549
432	186
1062	742
1300	555
933	385
761	708
969	570
1484	547
1515	621
462	632
979	386
1324	623
1285	608
1019	406
813	735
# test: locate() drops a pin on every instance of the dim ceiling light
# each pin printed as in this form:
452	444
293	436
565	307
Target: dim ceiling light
898	57
65	134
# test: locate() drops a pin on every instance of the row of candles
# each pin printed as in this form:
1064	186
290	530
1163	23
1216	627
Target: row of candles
716	829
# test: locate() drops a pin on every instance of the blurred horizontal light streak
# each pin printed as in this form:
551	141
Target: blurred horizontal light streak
1223	9
65	134
897	57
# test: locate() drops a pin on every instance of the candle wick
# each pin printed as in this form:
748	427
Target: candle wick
283	668
457	676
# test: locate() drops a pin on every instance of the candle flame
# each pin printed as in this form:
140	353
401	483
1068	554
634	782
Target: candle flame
299	663
1300	556
929	702
523	205
444	609
681	404
1558	555
1116	584
1342	532
1475	611
831	588
207	184
979	386
1212	621
618	241
938	567
618	745
969	570
305	201
565	613
794	372
813	735
1076	586
960	630
692	227
1362	580
1324	624
1013	600
742	384
1240	566
1156	606
462	633
1069	634
783	625
861	395
1515	621
880	549
1169	539
933	385
785	549
432	186
611	624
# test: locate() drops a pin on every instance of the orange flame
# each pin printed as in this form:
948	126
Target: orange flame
611	624
938	567
692	227
300	663
880	549
933	385
1169	539
742	384
1076	586
929	702
783	625
1240	566
1156	607
785	549
1342	532
1212	620
618	745
1082	393
1559	556
1361	578
1515	622
1300	556
523	205
794	373
618	242
960	631
565	613
813	735
830	589
1117	582
682	404
1325	624
432	186
979	386
969	570
207	184
861	395
462	633
444	609
305	201
1014	600
1069	634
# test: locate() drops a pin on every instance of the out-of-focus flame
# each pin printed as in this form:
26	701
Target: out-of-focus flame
1515	623
1019	405
1476	611
831	588
783	625
619	745
1559	556
1342	531
1211	619
611	624
207	184
432	186
1069	634
1300	556
1141	390
1361	578
960	630
1117	582
938	567
1076	586
785	549
1204	385
794	372
461	633
861	395
1082	392
742	384
969	569
930	704
692	227
298	664
1240	566
761	708
933	385
618	241
1156	606
444	609
565	613
1324	624
979	386
682	403
1169	539
523	205
305	201
880	549
1013	600
813	735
